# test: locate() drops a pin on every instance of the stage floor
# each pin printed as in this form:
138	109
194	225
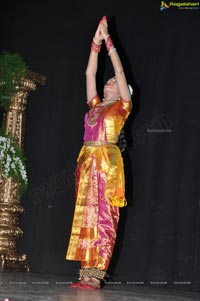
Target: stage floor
36	287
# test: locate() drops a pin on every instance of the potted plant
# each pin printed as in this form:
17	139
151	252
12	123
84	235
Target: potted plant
12	70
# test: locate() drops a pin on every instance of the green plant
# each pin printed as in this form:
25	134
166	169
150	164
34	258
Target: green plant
12	160
12	69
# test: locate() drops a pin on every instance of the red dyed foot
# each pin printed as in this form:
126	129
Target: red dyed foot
89	286
83	285
75	284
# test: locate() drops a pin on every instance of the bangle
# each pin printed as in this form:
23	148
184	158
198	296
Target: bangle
109	44
97	42
111	50
95	47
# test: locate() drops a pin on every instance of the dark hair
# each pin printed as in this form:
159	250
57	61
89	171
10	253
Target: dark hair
122	143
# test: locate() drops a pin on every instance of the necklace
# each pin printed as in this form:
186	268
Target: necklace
99	108
107	102
92	119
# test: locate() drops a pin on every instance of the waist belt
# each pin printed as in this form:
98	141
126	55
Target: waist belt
98	143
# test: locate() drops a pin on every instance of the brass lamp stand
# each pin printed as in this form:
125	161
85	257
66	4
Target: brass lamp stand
10	207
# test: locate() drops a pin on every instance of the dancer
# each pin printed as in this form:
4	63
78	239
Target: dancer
100	185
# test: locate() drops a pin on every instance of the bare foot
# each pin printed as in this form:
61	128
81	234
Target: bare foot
94	282
86	282
85	279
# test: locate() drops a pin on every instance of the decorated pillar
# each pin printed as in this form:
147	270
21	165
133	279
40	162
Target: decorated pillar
10	205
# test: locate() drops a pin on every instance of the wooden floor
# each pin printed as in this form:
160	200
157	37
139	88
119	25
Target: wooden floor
36	287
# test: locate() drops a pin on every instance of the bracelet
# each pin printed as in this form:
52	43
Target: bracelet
95	47
109	44
111	50
96	42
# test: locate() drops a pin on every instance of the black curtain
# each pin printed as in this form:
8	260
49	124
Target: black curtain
159	232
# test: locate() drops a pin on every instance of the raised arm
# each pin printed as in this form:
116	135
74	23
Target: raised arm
116	62
91	69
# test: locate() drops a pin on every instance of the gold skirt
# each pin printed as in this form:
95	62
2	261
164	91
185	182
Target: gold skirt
100	191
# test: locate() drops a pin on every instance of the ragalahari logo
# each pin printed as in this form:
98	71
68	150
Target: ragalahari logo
164	5
179	5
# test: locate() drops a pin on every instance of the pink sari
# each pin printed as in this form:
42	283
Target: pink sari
100	186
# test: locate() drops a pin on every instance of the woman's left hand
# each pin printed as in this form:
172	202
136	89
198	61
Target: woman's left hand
104	29
98	35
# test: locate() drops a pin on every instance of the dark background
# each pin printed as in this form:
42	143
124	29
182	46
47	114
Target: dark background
159	231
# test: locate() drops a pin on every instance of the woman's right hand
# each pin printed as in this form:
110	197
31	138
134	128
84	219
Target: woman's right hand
104	30
98	35
101	31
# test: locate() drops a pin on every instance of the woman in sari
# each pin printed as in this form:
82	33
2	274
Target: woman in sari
100	184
